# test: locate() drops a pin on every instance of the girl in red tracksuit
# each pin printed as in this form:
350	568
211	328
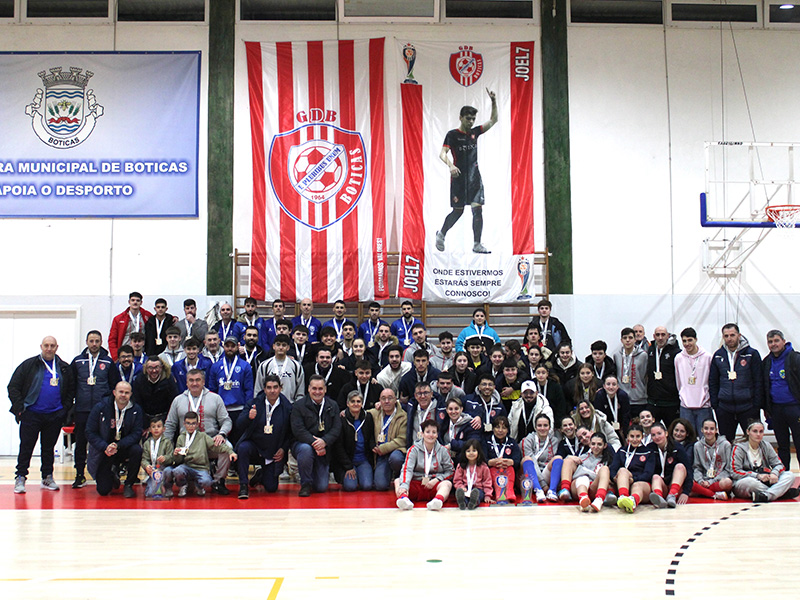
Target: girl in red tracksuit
472	481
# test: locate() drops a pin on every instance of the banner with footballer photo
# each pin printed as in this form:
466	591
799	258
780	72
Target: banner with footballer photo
466	170
318	137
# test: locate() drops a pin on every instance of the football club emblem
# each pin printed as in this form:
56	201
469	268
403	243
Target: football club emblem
318	173
466	66
65	113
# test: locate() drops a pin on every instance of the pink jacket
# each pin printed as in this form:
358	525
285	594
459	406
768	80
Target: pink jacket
693	395
483	479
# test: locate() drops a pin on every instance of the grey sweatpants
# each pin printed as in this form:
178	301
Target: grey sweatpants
744	488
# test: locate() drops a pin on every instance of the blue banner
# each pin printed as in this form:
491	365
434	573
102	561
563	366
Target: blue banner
108	134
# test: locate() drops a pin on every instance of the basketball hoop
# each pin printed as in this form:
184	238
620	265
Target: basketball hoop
784	216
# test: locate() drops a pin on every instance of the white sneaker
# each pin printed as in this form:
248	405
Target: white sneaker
404	503
540	497
182	491
720	496
19	485
48	483
551	496
596	505
435	504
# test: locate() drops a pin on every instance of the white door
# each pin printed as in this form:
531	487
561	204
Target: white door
22	330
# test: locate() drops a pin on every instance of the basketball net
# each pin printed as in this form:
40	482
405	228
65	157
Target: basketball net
784	216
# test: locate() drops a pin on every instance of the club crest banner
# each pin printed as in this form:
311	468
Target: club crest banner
317	127
466	170
105	134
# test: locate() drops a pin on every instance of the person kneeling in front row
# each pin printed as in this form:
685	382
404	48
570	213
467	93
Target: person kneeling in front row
426	474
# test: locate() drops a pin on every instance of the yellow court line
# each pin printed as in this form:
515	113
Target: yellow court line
273	594
326	578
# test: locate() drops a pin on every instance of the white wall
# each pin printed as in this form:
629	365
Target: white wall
95	263
642	102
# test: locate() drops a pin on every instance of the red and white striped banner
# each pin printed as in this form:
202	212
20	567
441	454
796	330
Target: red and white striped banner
436	81
318	133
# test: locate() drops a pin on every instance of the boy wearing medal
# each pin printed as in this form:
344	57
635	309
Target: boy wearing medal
631	365
692	367
173	353
157	453
155	329
401	328
390	422
266	435
427	472
368	330
41	391
191	457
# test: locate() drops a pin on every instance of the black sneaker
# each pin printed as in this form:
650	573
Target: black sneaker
474	499
791	494
760	497
128	492
219	488
79	482
305	490
115	475
244	493
256	478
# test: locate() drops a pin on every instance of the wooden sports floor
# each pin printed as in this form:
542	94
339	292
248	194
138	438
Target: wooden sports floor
72	544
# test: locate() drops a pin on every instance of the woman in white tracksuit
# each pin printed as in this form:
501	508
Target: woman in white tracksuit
758	473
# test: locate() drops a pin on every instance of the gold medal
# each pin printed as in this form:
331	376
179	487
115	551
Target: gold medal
227	385
692	380
615	425
381	438
732	375
321	426
268	429
118	437
158	341
626	379
91	380
419	435
54	381
712	472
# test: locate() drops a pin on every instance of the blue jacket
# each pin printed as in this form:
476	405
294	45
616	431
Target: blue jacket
179	371
106	377
253	429
241	392
743	393
472	331
136	368
509	449
642	464
473	406
366	327
463	433
101	430
313	327
399	331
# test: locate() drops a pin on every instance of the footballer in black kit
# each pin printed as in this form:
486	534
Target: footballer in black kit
466	186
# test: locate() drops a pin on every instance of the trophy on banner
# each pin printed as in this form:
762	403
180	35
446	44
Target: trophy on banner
501	481
158	481
524	272
410	57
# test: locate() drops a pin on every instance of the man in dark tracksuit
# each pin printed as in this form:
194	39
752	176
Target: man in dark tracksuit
41	391
95	376
735	382
782	392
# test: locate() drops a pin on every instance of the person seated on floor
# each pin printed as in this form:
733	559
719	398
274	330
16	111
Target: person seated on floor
114	428
191	457
426	473
758	473
315	427
354	460
390	423
157	455
266	436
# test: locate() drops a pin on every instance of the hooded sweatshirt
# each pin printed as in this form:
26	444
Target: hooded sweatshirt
712	462
691	375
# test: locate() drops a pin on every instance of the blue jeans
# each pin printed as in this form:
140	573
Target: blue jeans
313	469
696	416
184	475
363	478
387	468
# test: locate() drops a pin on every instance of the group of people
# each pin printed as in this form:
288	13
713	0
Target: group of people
379	406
